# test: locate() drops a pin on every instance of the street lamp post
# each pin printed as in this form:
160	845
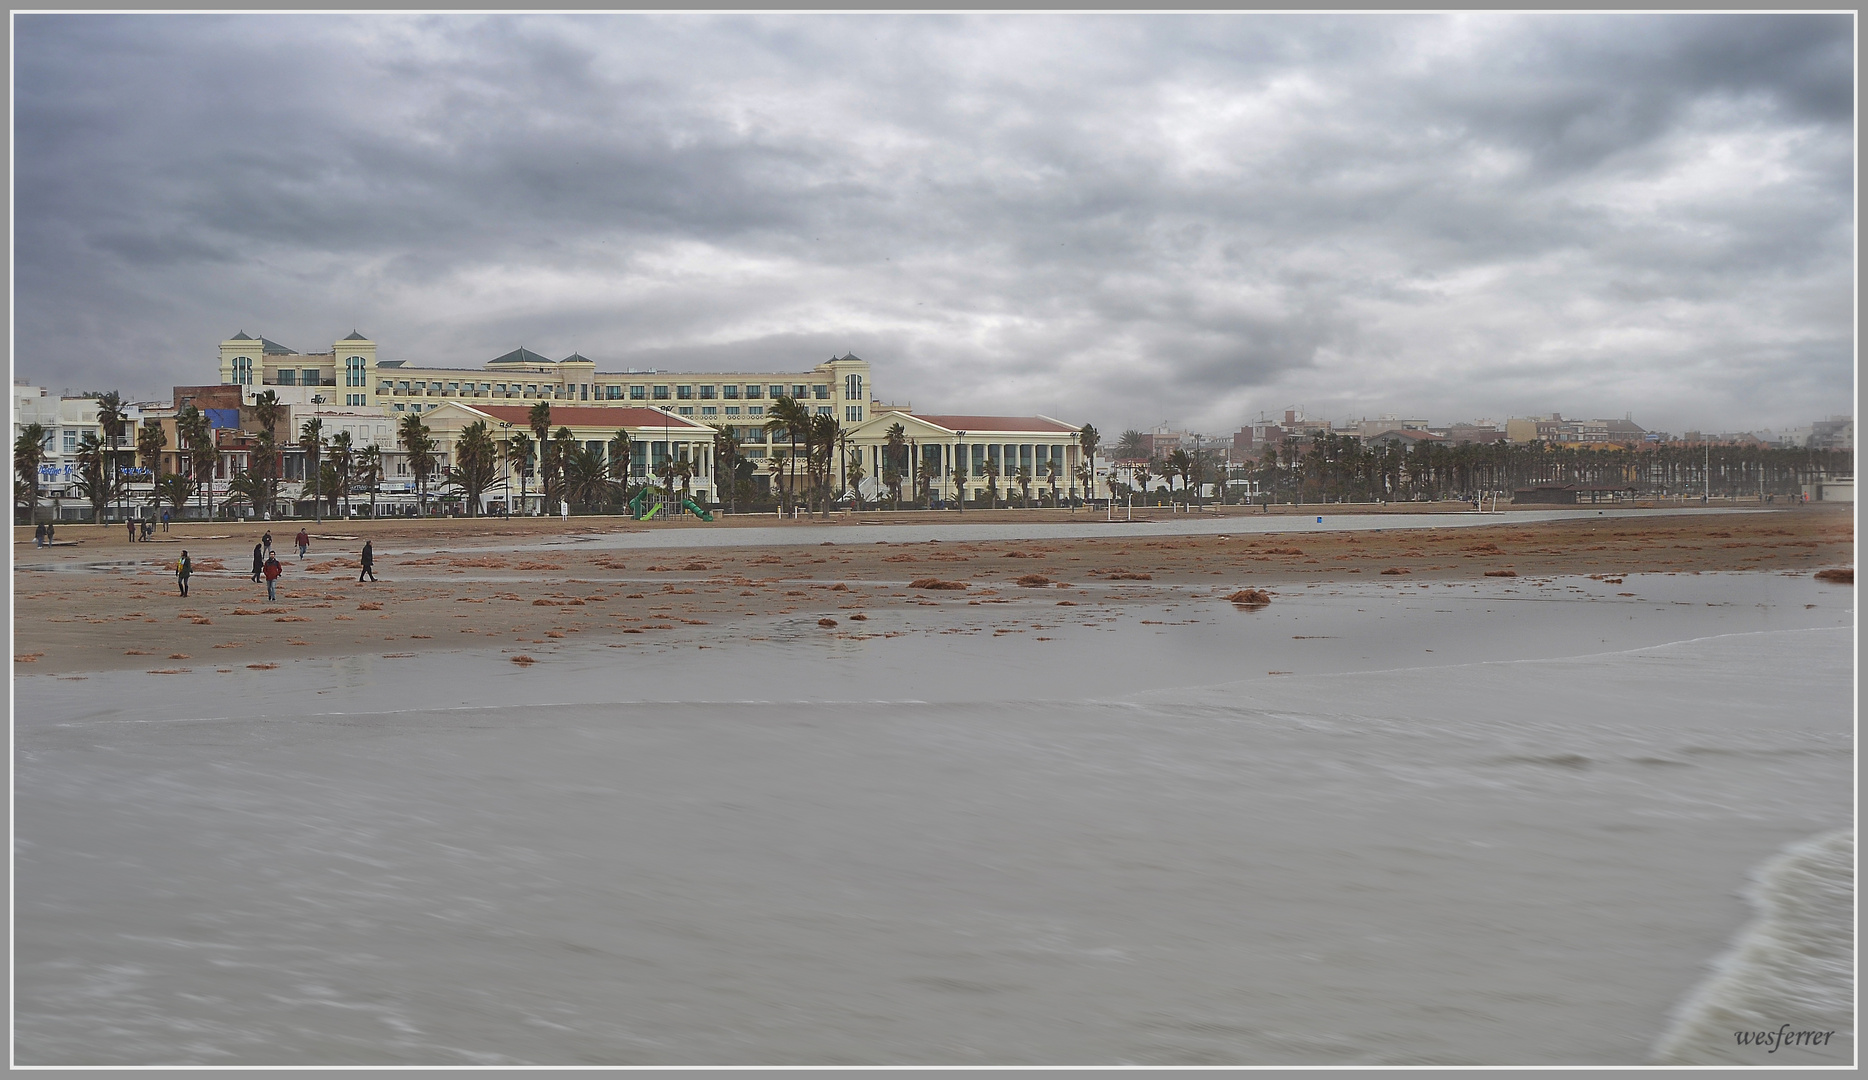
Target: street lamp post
960	469
505	472
317	499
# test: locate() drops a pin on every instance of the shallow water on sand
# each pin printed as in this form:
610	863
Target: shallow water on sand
1156	521
1127	844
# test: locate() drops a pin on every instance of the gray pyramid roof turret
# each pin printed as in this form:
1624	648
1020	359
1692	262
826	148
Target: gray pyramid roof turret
520	355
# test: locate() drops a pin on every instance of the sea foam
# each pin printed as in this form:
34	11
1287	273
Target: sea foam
1791	966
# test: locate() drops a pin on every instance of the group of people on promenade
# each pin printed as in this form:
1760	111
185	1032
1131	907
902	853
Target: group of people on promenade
266	565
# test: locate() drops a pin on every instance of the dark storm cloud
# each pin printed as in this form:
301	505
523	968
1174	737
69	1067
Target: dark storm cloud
1127	220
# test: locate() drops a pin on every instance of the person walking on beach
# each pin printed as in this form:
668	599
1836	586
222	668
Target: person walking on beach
303	541
272	572
259	562
369	562
38	535
267	541
184	569
165	521
130	524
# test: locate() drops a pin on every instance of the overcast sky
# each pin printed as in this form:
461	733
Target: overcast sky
1124	220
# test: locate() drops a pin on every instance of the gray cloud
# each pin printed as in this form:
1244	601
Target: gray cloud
1118	219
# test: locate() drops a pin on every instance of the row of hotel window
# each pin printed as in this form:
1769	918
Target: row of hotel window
851	413
600	391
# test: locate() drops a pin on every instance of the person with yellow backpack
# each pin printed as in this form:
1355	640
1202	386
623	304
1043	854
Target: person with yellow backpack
184	569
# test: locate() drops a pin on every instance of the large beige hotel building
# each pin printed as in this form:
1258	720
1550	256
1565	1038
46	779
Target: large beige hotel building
667	414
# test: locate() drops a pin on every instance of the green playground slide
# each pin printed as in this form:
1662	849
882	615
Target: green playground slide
688	505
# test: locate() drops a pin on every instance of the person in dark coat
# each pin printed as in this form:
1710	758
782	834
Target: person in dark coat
369	561
303	541
184	569
130	523
259	561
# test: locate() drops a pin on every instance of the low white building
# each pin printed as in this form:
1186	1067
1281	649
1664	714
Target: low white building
66	421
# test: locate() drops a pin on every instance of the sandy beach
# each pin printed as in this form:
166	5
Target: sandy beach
534	583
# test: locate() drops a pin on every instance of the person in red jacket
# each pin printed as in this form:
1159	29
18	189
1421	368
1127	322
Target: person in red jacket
303	541
272	572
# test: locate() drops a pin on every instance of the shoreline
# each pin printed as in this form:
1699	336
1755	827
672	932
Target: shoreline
514	594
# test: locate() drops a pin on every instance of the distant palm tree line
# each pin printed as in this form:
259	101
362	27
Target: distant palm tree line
1333	467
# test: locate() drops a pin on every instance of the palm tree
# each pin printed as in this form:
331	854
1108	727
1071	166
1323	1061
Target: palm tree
849	468
266	470
266	410
959	480
175	489
620	447
684	471
247	486
112	417
311	438
475	459
321	488
1050	473
725	464
788	420
1129	447
343	462
924	483
370	472
519	445
420	448
895	442
1022	477
94	475
992	483
1089	440
822	449
150	439
556	454
539	420
28	456
586	477
854	475
776	465
1178	464
673	469
198	436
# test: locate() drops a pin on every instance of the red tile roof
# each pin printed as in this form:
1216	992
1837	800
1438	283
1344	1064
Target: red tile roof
585	416
998	423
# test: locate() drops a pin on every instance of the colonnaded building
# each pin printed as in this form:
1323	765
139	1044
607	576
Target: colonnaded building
667	415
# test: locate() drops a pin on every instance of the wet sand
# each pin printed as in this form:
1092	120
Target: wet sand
97	602
1379	821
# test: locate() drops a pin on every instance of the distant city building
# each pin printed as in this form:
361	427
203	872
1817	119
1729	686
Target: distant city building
1835	433
1479	431
1556	430
1406	438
